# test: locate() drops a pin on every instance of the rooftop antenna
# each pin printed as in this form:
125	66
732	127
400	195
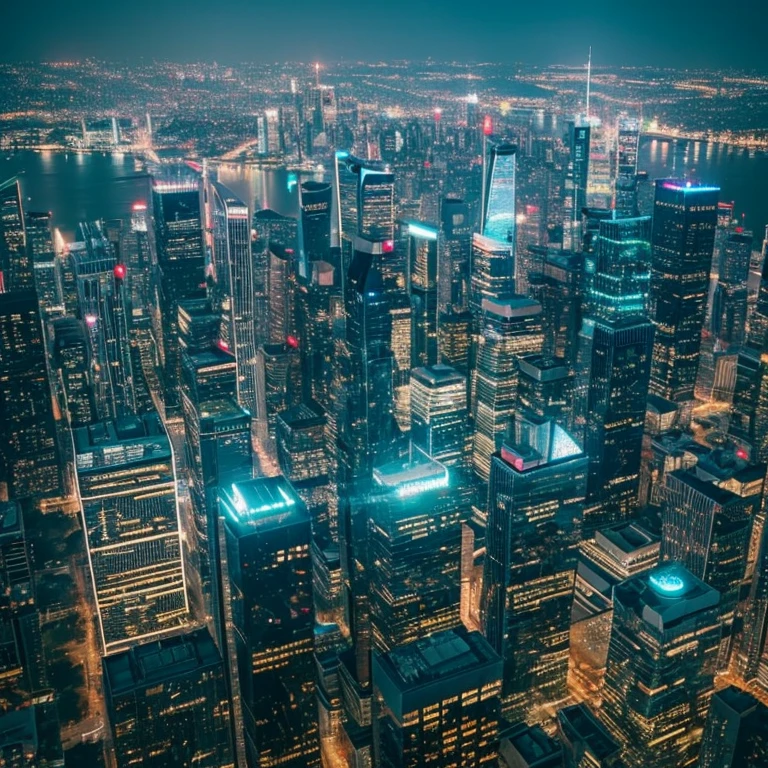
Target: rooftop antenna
317	73
589	77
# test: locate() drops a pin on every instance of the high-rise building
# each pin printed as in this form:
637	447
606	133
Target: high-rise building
529	746
375	203
661	666
601	170
103	301
535	500
127	490
218	453
16	271
70	360
626	162
24	678
230	215
367	431
498	220
181	268
736	733
439	414
267	578
45	268
510	328
586	743
575	187
302	452
28	456
613	555
493	272
729	304
414	550
437	702
454	339
708	529
453	288
545	389
167	703
684	222
558	288
424	256
278	378
615	368
315	228
282	293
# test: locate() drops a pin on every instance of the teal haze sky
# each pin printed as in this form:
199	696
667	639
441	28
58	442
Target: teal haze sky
675	33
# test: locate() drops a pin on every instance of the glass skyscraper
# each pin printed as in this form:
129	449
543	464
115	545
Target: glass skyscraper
684	223
661	666
535	502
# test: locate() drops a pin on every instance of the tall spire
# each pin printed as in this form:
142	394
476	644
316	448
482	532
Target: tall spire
589	77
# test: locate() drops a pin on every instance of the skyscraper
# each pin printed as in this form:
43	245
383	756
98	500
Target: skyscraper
15	261
44	266
439	414
127	489
237	260
270	620
684	222
535	500
585	741
615	367
104	303
626	162
498	220
661	666
415	550
424	264
181	267
29	463
736	732
218	453
437	702
510	328
729	304
456	228
315	225
167	703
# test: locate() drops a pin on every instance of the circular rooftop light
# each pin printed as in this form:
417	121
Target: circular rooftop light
667	583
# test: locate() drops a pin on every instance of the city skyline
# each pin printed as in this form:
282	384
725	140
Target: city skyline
383	415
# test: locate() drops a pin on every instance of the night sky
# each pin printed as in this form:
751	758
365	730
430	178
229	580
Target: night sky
676	33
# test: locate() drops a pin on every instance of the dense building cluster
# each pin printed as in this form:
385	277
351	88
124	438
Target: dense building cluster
462	465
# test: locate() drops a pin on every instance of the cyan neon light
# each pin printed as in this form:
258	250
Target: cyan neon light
419	230
341	154
668	583
416	487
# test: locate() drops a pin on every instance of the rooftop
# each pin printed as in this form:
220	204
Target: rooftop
532	744
579	724
537	444
438	656
261	504
148	664
666	595
514	306
415	474
543	367
438	375
302	416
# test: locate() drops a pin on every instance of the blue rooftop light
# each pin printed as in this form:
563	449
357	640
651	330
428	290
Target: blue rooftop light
667	583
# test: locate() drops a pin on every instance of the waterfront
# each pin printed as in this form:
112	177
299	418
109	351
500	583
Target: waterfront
77	187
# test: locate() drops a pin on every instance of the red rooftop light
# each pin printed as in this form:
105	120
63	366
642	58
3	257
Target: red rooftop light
120	271
388	246
292	342
487	125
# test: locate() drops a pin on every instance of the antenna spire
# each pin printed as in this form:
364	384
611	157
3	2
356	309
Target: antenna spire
589	77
